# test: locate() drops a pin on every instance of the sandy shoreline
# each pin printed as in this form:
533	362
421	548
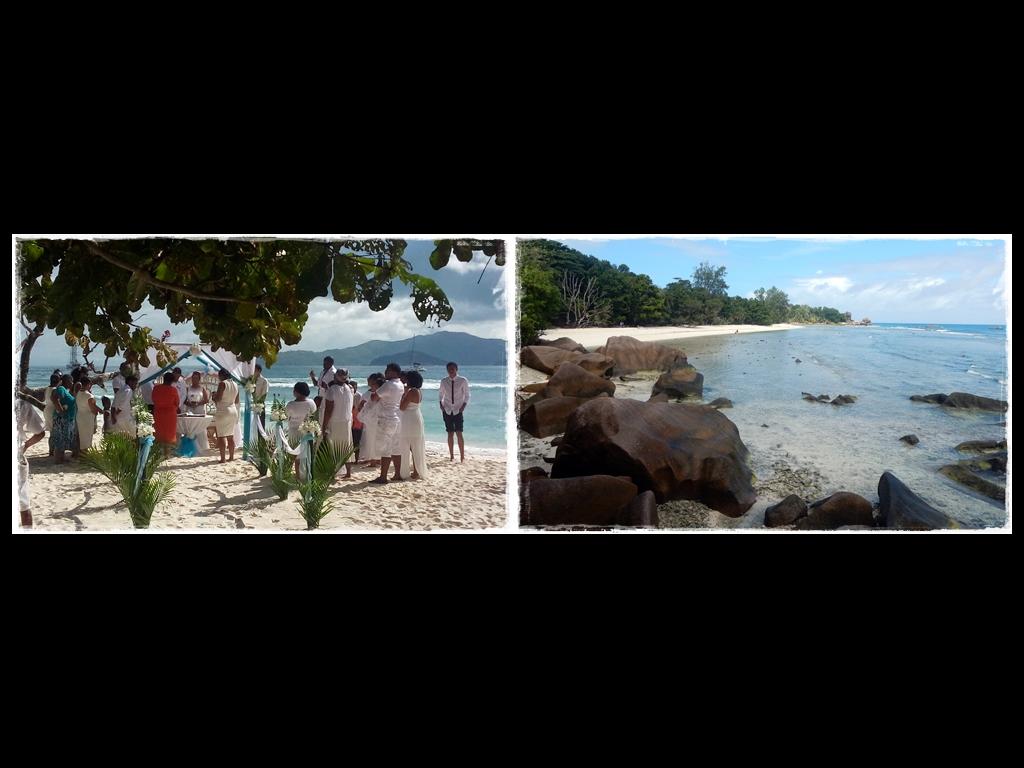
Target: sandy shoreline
596	337
210	495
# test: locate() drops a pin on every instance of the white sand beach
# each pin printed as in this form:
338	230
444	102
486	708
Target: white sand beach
596	337
231	496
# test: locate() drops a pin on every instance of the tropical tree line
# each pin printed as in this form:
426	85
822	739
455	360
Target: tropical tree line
559	287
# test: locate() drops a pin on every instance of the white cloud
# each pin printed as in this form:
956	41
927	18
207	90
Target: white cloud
819	272
825	284
466	267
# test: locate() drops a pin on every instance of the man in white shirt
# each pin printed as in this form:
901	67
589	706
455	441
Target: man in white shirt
454	399
388	398
122	418
31	430
182	387
118	381
323	383
147	394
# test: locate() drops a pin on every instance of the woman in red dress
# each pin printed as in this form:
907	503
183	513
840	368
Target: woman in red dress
165	413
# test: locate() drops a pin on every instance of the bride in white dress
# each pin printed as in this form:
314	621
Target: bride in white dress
413	440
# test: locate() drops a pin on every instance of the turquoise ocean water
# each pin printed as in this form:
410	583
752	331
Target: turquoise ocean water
882	365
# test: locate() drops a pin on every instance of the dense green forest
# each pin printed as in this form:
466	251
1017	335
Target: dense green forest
563	288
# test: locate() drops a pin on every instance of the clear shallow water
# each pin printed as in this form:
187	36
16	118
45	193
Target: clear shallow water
851	446
484	418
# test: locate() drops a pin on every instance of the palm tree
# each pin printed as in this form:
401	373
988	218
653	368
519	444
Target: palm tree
117	459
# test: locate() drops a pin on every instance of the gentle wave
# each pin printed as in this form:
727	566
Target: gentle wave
958	333
984	375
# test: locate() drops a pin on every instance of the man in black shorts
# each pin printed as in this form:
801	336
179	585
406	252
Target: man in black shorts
454	399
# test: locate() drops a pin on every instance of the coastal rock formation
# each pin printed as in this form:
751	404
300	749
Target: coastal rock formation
962	474
545	359
547	417
564	343
904	510
844	400
573	381
530	474
661	397
722	402
837	510
683	381
533	388
678	452
631	355
982	446
593	500
595	363
911	439
786	512
963	400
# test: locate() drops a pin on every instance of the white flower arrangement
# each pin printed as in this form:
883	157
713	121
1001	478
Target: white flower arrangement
310	427
278	412
144	430
141	412
211	408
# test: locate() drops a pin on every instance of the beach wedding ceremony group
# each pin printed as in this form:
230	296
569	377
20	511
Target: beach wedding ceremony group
192	384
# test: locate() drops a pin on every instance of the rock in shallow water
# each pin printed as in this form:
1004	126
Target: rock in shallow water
902	509
963	400
982	446
963	475
837	510
680	382
910	439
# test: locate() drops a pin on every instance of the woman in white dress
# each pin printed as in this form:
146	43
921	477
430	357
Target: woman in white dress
298	411
87	413
413	440
337	416
368	415
48	405
226	418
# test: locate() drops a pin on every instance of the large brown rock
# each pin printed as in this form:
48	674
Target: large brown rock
592	500
982	446
631	355
563	343
683	381
643	511
546	359
573	381
534	388
594	362
904	510
678	452
786	512
547	417
837	510
962	474
963	400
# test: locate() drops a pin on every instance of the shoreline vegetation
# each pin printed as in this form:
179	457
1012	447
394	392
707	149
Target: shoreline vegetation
564	288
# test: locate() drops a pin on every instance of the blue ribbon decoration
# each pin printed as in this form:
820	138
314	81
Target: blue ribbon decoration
145	443
165	369
188	447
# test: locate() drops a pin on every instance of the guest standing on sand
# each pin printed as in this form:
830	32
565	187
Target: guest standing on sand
298	411
64	436
165	414
226	419
388	399
261	387
182	386
454	399
31	430
357	424
48	405
368	411
121	414
85	402
413	441
337	417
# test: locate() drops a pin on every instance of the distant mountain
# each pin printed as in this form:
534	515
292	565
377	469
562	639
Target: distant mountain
435	349
408	358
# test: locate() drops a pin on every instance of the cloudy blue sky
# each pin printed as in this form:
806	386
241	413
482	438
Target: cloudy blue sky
890	281
479	309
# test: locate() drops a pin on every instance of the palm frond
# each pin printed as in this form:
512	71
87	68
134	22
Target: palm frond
314	504
116	458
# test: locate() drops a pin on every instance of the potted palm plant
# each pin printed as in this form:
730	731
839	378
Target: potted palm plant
117	459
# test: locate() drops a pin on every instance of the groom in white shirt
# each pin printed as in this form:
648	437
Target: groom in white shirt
454	399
